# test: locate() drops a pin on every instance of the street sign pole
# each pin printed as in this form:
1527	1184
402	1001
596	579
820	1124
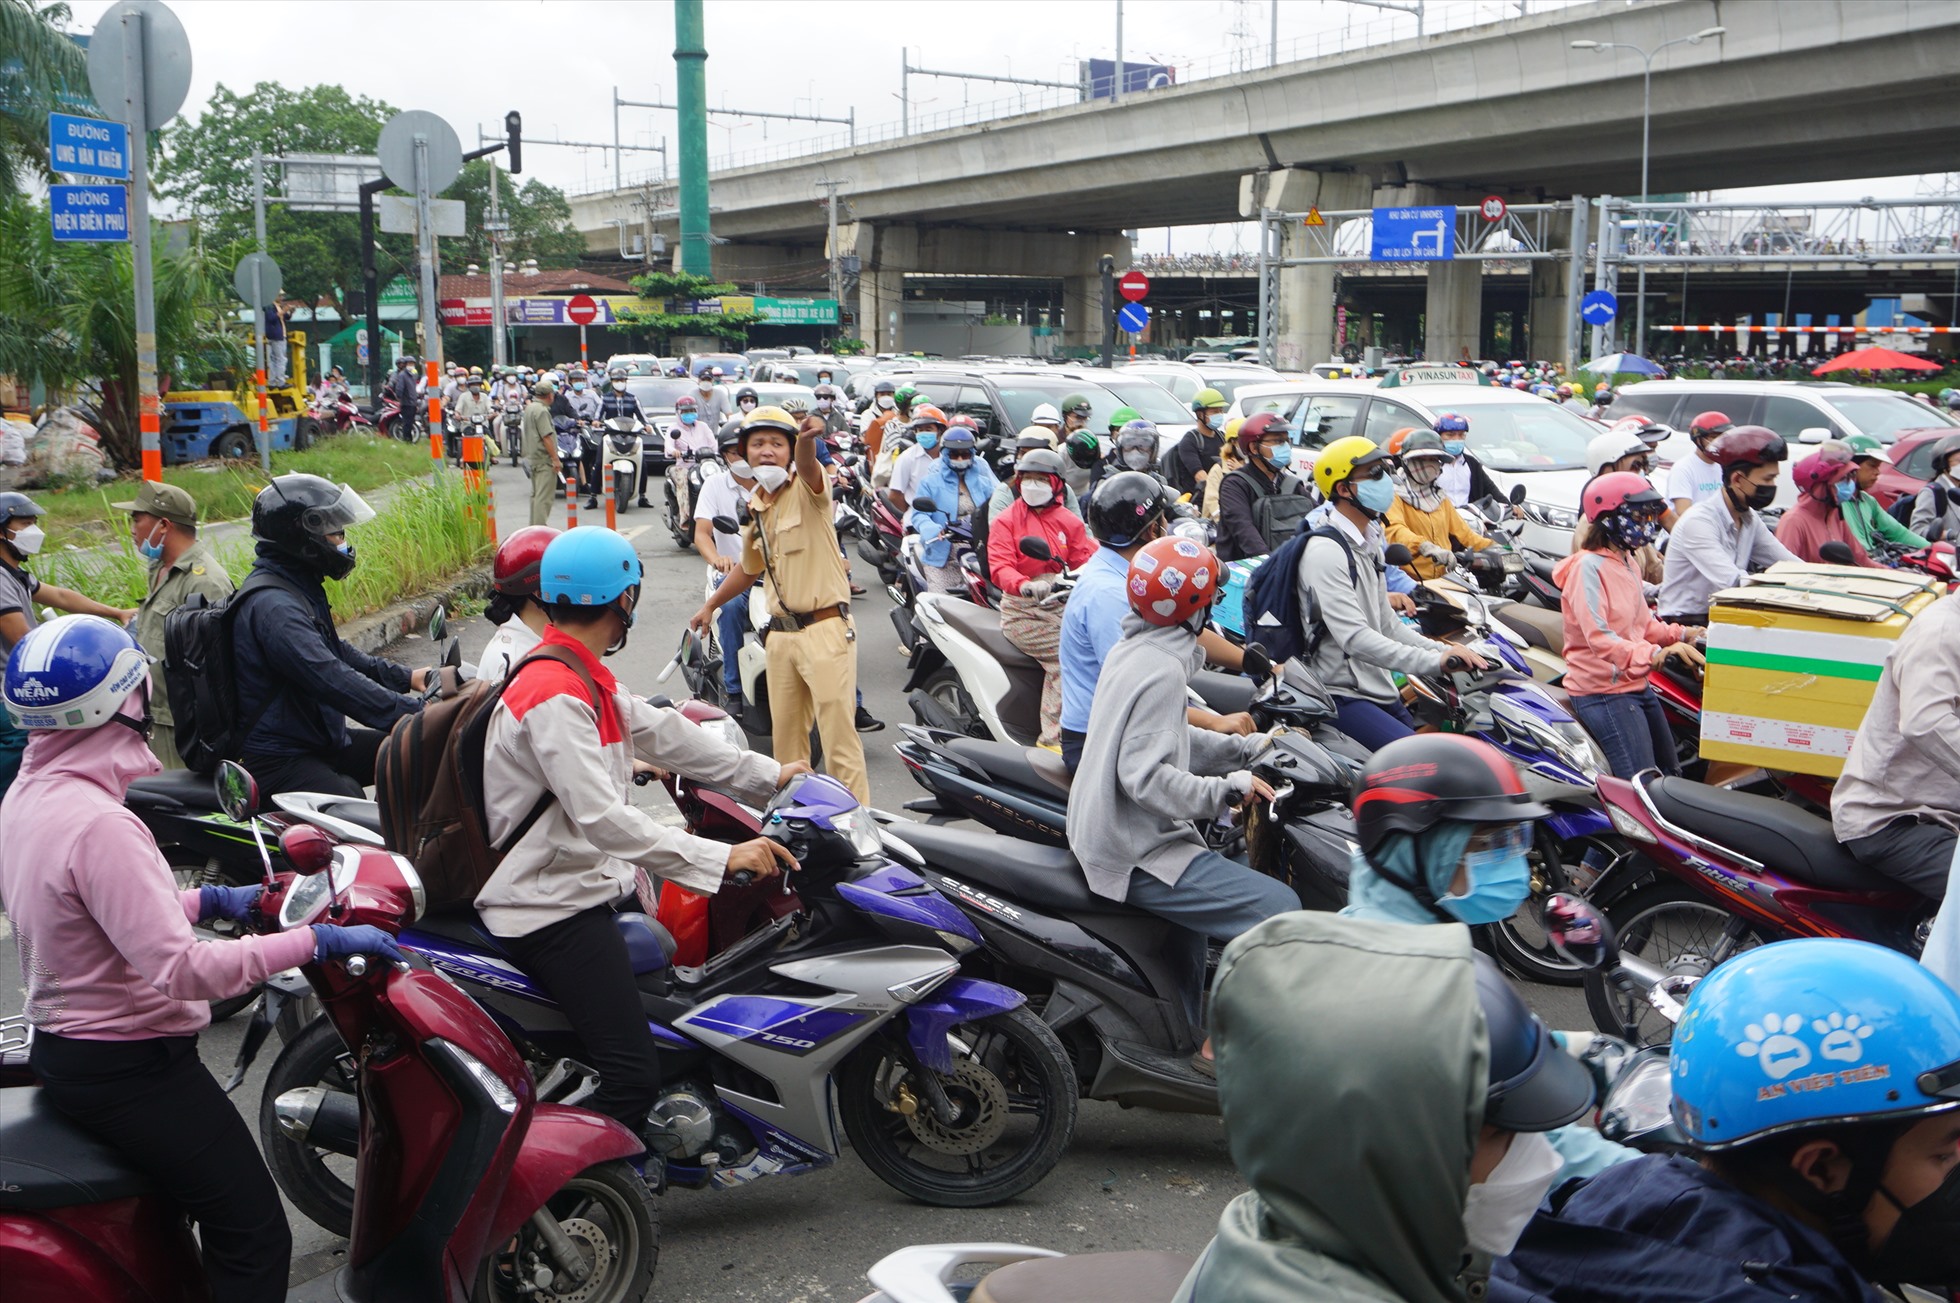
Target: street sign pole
425	238
149	408
258	311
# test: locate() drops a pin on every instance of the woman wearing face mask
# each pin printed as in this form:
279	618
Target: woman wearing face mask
745	400
1825	484
1411	1133
1928	519
1261	504
1820	1097
1228	461
1613	641
20	594
1423	519
1025	619
959	484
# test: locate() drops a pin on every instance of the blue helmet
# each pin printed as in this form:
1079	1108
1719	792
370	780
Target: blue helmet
1451	423
956	436
73	673
588	566
1809	1033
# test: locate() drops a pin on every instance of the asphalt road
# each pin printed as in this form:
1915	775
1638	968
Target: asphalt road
1131	1179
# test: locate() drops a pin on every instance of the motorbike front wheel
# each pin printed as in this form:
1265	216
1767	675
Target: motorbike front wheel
1671	926
1015	1094
319	1181
623	490
608	1216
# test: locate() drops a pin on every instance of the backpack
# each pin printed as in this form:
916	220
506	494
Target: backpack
428	783
1272	611
1276	516
200	674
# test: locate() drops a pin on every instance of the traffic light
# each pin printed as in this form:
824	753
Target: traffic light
514	128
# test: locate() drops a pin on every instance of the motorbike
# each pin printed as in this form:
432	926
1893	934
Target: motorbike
473	1188
388	419
1709	872
336	412
454	431
624	457
836	996
685	475
513	427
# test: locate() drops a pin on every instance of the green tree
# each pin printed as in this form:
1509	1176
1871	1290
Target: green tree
540	220
41	70
67	319
206	164
675	289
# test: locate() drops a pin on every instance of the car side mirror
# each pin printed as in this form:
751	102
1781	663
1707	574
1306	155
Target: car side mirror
725	525
1838	554
1814	434
1579	932
1398	554
1037	548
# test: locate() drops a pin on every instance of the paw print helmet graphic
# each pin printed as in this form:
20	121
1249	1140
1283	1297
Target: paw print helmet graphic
1814	1033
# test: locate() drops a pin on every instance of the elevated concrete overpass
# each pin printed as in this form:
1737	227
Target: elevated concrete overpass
1796	90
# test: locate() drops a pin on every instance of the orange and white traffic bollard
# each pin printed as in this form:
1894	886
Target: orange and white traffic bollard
435	418
612	508
571	502
258	380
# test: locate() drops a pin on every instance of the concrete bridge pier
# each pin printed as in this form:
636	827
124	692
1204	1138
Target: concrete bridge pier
1306	294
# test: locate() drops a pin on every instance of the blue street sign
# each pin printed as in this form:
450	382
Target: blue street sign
88	147
1599	308
1133	317
89	213
1414	234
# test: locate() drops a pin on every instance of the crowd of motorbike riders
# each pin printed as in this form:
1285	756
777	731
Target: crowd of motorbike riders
1408	1128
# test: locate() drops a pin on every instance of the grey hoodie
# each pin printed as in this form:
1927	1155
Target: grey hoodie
1143	777
1352	1063
1366	640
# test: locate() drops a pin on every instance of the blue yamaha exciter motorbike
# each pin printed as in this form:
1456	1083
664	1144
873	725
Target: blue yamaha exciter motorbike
843	989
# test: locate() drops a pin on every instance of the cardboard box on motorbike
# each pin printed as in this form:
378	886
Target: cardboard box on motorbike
1794	658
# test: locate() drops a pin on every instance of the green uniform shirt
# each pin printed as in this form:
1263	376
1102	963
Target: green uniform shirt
1869	521
195	572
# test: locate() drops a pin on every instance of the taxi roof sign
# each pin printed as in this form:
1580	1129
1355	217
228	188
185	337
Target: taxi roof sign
1433	375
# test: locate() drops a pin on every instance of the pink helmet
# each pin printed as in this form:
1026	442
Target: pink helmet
1817	473
1617	491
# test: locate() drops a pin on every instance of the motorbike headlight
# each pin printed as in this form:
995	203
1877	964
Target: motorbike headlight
1543	513
1639	1101
861	831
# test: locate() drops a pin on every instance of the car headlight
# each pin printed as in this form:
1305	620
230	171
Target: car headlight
1543	513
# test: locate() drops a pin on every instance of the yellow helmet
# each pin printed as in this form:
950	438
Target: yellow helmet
1339	459
1232	429
1206	399
770	418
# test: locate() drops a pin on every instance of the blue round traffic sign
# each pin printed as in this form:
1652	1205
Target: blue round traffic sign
1599	308
1133	317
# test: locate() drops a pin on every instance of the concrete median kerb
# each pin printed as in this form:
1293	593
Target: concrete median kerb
370	633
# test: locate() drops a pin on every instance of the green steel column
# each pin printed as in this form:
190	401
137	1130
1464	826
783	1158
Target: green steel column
691	71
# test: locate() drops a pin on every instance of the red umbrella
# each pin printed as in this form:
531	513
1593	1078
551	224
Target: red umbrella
1876	359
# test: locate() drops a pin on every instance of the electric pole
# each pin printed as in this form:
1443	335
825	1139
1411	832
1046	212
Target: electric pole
836	254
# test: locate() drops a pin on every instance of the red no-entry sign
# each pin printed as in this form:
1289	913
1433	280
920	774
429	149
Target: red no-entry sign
581	310
1133	286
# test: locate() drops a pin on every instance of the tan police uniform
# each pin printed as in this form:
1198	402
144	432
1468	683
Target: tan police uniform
195	572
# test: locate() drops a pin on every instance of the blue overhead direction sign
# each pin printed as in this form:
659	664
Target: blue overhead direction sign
89	213
1599	308
1133	317
88	146
1414	234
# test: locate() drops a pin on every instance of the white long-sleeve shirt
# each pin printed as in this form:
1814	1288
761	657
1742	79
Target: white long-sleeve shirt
1711	550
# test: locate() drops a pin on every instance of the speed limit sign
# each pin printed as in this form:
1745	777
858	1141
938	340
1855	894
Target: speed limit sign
1493	209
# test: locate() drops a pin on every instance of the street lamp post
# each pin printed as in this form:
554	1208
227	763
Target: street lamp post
1646	125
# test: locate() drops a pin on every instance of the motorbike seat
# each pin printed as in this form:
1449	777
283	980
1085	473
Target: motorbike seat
1134	1277
1029	768
1542	628
648	944
1224	694
1046	877
174	787
981	624
1775	833
48	1161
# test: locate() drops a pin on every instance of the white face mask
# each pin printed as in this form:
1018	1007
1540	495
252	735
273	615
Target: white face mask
1137	459
885	401
28	541
771	477
1037	493
1495	1214
740	469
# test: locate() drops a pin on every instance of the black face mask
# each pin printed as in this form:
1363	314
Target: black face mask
1924	1247
1759	497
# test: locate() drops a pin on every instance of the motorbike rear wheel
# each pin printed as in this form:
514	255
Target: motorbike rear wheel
1670	925
609	1215
944	688
1016	1095
319	1181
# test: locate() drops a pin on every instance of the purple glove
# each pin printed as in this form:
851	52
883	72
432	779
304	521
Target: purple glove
331	941
234	903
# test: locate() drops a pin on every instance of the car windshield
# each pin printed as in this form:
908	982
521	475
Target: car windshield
1229	384
1152	401
1885	415
733	363
1529	435
1021	397
657	395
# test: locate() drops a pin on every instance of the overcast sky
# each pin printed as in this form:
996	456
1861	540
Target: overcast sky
557	62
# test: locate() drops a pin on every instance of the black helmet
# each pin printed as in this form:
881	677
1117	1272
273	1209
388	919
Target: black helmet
294	514
1084	449
730	435
1533	1085
17	504
1124	505
747	392
1414	783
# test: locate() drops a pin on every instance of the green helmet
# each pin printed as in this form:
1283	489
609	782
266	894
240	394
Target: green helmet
1076	405
1206	399
1122	416
905	395
1866	446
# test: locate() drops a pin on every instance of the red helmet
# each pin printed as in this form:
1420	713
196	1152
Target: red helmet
1172	577
1820	472
514	572
1617	491
1708	425
1747	446
1254	429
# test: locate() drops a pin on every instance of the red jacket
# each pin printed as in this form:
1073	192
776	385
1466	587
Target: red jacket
1809	524
1063	529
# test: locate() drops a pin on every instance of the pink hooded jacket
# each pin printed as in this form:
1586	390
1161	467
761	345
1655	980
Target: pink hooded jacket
1611	633
106	948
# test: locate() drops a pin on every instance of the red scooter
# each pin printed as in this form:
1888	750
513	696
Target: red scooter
467	1187
1736	870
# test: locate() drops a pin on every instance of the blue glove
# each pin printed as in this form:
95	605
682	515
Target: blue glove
331	941
234	903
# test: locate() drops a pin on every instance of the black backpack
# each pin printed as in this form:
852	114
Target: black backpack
1272	612
201	678
1276	516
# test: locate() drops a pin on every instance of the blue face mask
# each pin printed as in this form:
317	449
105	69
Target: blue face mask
579	388
151	549
1281	456
689	418
1500	879
1846	490
1454	447
1375	496
928	439
1215	420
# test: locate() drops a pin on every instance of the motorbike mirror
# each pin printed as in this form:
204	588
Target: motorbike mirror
1037	548
1578	931
1837	553
725	525
1258	665
438	623
1517	495
923	503
1398	554
838	492
238	792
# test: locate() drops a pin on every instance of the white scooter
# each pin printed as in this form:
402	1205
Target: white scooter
625	442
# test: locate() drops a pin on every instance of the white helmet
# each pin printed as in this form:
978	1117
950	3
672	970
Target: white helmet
1610	447
1047	414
